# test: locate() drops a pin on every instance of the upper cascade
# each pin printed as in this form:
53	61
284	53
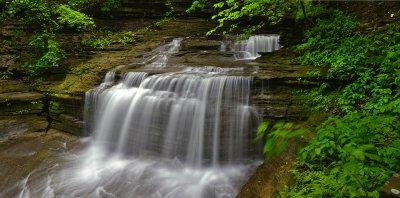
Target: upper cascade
249	49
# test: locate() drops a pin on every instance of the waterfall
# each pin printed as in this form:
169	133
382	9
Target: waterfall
173	135
161	54
249	49
196	116
178	135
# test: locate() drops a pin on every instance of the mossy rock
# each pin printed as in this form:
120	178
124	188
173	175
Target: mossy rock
18	103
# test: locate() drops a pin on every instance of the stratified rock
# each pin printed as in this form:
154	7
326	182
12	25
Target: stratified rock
66	111
18	103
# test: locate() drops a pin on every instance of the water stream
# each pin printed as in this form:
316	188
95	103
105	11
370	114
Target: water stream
182	134
251	48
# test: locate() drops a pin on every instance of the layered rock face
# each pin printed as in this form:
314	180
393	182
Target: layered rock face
273	80
21	109
60	106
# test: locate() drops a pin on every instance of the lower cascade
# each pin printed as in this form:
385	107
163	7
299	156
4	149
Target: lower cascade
181	134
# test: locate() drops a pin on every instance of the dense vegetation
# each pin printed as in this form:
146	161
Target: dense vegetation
44	20
357	148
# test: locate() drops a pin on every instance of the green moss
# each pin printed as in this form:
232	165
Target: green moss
86	68
55	107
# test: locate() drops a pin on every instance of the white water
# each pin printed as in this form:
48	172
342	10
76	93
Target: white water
183	134
196	116
161	54
249	49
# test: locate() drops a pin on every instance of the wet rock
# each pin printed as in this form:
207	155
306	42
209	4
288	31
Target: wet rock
66	111
197	44
277	104
26	152
68	124
391	187
66	104
11	126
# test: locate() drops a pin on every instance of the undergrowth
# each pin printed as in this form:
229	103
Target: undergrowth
358	147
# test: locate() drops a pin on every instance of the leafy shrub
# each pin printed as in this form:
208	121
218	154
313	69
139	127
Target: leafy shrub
126	37
366	63
46	18
353	154
197	6
276	137
47	53
350	156
74	19
99	43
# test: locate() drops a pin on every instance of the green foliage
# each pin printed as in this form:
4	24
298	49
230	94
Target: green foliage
277	136
126	37
197	6
367	63
351	156
250	15
107	5
358	149
99	43
74	19
46	19
47	53
102	42
163	21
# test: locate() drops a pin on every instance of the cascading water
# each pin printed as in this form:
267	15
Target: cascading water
182	134
159	57
249	49
195	116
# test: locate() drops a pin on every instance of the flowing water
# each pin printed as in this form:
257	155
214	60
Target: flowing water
158	58
249	49
181	134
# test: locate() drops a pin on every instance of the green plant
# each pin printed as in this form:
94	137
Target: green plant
103	41
45	19
197	6
74	19
126	37
366	63
277	136
47	53
99	43
350	156
251	15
